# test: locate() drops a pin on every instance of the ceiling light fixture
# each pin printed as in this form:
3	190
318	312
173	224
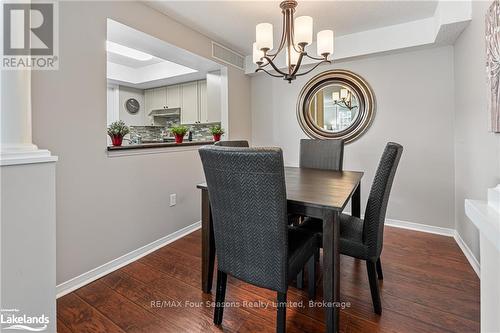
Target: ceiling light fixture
296	35
343	99
127	51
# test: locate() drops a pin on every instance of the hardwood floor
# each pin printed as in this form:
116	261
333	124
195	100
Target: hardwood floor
428	286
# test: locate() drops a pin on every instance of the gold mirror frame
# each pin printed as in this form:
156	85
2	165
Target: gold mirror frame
361	89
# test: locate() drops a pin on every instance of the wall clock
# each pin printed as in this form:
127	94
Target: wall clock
132	105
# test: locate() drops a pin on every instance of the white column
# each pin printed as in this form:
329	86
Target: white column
16	146
16	111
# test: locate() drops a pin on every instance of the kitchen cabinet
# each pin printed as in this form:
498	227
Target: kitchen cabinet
174	96
189	108
190	97
202	102
159	100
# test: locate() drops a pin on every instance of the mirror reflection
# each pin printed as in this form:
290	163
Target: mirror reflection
334	108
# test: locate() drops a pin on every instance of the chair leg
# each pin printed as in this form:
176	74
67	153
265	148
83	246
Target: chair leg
219	297
311	278
379	270
281	316
372	278
300	279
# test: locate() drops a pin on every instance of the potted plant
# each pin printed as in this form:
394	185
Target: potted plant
179	132
116	131
217	131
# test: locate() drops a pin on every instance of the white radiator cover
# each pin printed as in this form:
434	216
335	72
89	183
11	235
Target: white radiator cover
486	217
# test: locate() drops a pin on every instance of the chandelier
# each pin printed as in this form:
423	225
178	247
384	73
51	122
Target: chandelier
296	36
343	99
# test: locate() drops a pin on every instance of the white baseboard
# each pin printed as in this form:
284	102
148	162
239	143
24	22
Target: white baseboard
420	227
468	254
96	273
439	231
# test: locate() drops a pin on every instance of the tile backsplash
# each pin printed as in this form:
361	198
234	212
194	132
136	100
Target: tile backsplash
201	132
147	133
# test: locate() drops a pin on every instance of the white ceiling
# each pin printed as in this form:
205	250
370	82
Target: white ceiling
162	70
233	22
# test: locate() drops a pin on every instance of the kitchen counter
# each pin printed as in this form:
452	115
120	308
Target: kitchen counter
160	145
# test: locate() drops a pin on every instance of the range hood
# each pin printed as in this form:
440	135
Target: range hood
174	112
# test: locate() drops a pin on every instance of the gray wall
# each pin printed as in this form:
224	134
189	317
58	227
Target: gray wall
137	119
414	92
107	207
477	150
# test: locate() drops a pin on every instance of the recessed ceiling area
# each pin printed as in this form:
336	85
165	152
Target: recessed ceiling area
138	60
233	22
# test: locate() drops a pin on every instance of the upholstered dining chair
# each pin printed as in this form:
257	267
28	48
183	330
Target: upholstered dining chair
254	243
318	154
363	238
232	143
321	154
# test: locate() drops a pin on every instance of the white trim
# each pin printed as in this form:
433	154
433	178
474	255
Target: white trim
468	254
149	151
98	272
439	231
29	156
420	227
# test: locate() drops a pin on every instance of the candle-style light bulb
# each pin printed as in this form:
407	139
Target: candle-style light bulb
325	42
343	93
257	54
264	36
294	57
303	30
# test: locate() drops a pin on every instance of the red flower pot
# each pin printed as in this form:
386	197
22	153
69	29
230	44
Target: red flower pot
179	138
116	140
217	137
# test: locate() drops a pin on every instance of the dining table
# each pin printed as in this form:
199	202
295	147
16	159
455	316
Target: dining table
317	193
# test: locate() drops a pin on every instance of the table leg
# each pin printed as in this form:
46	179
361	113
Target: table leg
356	202
207	244
331	269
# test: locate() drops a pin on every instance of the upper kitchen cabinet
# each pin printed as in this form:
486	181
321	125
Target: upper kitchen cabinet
159	100
174	96
189	108
190	97
202	102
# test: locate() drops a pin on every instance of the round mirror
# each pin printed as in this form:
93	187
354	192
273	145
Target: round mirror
334	108
336	104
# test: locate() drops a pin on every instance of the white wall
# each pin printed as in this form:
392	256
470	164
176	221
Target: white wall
136	119
214	96
477	151
107	207
414	92
27	238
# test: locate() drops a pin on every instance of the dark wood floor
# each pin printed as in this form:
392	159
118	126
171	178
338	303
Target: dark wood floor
428	287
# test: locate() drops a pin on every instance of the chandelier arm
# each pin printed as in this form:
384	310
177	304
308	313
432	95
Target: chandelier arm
292	38
316	58
315	66
297	66
350	107
283	39
272	57
274	66
263	70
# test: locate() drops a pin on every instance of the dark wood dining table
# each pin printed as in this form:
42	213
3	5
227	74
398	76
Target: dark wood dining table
316	193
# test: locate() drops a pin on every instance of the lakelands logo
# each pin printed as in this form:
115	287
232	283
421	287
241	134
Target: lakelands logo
29	36
12	319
